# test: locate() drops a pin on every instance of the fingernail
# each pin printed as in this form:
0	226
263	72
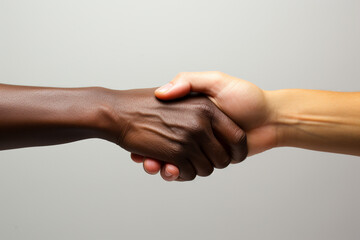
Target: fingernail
165	88
167	173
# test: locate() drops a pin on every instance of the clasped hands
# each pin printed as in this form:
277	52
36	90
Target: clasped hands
195	123
184	134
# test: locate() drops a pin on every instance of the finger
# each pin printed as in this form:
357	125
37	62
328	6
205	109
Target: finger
137	158
215	152
231	136
187	170
151	166
169	172
201	162
209	83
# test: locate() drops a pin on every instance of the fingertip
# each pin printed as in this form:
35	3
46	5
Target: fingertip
151	166
169	172
172	170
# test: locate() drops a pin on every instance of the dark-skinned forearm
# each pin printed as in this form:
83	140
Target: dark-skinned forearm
38	116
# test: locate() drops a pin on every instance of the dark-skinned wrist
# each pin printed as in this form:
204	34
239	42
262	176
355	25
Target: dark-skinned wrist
107	122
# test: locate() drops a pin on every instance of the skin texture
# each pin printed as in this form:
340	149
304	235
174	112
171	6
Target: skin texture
310	119
191	133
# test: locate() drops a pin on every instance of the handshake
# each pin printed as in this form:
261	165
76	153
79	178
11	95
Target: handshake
198	122
195	123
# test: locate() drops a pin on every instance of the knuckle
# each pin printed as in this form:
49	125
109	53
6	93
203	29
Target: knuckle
194	128
178	150
205	109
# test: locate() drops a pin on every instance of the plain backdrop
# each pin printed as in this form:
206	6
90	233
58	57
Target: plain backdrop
92	190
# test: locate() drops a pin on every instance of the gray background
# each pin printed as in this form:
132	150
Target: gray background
92	190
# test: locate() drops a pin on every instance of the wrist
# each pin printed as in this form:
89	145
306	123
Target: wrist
293	115
103	119
279	103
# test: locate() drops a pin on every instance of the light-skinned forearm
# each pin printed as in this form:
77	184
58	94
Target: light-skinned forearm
317	120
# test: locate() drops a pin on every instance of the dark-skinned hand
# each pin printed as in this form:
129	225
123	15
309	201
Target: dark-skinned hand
190	133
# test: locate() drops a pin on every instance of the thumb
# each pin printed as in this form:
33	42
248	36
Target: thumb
209	83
